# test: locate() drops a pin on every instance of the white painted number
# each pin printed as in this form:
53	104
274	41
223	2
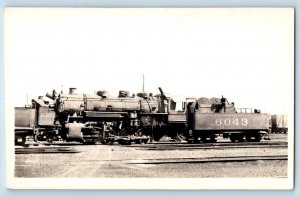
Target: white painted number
244	121
227	121
219	121
235	122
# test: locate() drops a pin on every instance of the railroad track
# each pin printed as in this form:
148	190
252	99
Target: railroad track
62	143
208	159
66	147
160	146
44	150
224	145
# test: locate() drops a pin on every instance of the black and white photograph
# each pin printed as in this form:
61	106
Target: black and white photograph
149	98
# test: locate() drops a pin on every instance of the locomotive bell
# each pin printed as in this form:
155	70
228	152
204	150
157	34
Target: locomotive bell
73	91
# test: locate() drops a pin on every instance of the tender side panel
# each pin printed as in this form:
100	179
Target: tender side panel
231	122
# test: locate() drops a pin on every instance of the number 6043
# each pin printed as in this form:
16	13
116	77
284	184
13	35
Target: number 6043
228	121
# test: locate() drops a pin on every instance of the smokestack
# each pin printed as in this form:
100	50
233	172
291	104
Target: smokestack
72	91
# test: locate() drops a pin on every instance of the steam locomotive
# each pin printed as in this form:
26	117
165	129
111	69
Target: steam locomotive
101	117
134	118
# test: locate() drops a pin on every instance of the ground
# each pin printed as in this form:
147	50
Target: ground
158	160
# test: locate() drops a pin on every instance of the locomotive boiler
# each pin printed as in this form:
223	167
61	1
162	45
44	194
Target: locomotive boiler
124	118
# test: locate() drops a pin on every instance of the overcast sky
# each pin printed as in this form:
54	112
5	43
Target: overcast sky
247	55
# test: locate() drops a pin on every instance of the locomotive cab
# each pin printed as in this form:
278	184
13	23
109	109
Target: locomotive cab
45	121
